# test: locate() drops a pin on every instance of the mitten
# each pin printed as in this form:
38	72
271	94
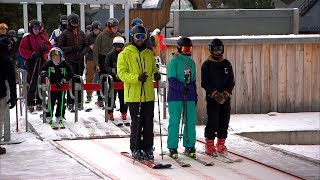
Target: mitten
218	97
157	77
185	90
143	77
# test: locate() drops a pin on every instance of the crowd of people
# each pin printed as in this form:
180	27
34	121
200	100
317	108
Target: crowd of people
69	51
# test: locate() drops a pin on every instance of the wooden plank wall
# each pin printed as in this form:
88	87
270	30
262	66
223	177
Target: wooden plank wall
269	77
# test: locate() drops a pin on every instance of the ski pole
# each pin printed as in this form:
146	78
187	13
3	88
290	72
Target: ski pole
159	119
139	118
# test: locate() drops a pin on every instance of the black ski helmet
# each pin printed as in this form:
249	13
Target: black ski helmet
112	22
89	27
63	21
96	25
216	43
183	41
12	33
138	29
73	20
34	23
5	42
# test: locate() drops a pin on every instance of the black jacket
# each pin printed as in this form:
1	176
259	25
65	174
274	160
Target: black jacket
7	72
56	73
217	75
110	63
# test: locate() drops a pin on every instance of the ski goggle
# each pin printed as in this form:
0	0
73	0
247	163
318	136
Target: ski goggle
186	49
36	28
55	52
118	45
140	36
217	48
64	22
74	22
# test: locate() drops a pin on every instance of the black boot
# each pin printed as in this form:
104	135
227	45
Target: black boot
173	153
190	152
148	154
137	154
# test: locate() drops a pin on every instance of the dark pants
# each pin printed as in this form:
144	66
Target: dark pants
78	70
218	119
123	106
61	106
102	59
142	126
33	67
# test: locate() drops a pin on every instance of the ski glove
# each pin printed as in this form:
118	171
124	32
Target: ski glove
44	74
60	83
35	55
218	97
114	71
185	90
43	48
12	102
226	95
143	77
157	77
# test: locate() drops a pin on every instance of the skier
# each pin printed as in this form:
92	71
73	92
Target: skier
74	45
136	69
34	47
96	29
102	46
182	97
218	81
54	38
21	60
88	29
59	72
7	72
111	68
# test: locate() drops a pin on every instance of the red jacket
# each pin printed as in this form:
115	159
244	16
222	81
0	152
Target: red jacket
162	46
32	43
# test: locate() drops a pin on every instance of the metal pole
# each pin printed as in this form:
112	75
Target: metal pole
39	15
111	10
25	16
68	8
82	16
126	21
25	95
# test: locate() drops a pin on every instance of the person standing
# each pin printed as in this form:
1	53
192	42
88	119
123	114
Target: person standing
96	29
102	46
34	47
182	97
217	79
74	45
7	73
155	41
54	38
111	68
137	69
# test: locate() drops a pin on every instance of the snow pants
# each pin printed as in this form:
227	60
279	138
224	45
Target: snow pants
176	108
123	106
218	119
141	137
61	106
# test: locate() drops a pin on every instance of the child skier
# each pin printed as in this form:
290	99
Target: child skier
59	72
218	81
182	97
111	68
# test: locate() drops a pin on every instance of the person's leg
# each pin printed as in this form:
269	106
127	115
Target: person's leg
147	114
52	104
175	109
189	132
3	106
60	105
136	126
90	74
213	119
123	106
224	119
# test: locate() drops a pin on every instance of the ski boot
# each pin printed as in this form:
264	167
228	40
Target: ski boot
148	154
191	152
173	153
71	107
2	150
39	107
60	122
110	116
100	103
89	99
137	154
221	148
31	109
210	148
124	116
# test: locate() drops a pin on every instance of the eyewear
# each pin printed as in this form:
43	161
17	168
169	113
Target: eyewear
217	48
140	36
37	28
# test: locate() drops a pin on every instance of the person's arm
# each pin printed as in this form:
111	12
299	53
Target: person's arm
174	83
52	37
95	50
123	70
205	83
24	49
69	70
12	80
85	45
230	80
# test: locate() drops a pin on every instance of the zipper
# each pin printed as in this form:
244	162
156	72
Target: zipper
129	90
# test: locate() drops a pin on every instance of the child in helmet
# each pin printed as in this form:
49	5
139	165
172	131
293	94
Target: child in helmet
111	68
59	72
218	81
182	97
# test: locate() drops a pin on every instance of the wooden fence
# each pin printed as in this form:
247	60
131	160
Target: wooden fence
272	73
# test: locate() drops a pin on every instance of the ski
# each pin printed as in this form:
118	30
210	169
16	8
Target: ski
152	164
117	123
126	122
201	161
217	157
230	158
181	163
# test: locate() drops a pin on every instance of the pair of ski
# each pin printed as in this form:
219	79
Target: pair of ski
119	123
222	157
184	164
55	125
151	164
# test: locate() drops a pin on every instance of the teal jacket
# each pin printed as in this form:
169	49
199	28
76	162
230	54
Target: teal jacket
131	63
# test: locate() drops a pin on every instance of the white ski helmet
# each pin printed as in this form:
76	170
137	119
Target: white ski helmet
55	51
118	40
